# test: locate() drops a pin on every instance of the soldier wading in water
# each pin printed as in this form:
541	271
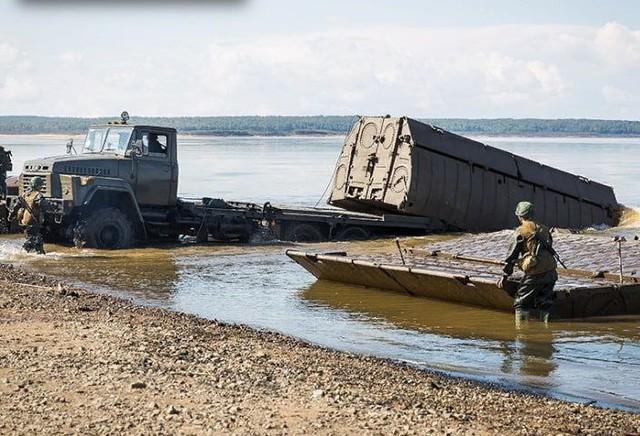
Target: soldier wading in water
29	212
532	250
5	166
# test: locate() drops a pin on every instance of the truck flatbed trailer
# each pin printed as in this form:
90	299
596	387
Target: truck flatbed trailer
222	220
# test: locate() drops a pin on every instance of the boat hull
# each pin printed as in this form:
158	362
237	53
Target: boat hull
598	300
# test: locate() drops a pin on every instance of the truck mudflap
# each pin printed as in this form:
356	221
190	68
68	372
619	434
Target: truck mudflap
403	166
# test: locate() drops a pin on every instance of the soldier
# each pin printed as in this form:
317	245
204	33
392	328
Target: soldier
5	166
29	212
532	250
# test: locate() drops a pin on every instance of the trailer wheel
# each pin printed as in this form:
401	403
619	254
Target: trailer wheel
303	233
353	233
107	228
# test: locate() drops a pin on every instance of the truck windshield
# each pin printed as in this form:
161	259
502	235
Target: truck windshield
108	140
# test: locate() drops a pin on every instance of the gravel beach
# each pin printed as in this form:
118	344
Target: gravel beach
76	362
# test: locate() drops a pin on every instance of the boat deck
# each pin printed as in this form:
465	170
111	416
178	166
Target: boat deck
584	251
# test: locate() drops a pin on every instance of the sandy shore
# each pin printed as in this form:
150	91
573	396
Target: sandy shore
75	362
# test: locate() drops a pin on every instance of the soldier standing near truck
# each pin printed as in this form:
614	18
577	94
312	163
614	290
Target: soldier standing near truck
532	250
5	166
29	212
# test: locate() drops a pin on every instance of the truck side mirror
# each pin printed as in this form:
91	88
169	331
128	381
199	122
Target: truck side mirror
70	147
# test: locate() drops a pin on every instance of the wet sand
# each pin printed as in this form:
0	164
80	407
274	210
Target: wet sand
76	362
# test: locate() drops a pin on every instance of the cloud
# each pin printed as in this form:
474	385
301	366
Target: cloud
496	71
17	89
396	69
618	45
16	84
8	53
71	59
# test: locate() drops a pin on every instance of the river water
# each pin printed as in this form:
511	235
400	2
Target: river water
257	285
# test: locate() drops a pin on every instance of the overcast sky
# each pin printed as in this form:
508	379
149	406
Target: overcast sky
475	59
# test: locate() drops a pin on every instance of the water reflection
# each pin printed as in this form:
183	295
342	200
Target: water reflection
575	360
412	313
453	319
531	354
526	352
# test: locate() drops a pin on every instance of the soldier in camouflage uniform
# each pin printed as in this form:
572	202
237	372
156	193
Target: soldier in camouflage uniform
29	212
532	251
5	166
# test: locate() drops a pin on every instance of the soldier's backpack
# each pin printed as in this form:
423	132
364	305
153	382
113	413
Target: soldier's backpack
31	213
537	258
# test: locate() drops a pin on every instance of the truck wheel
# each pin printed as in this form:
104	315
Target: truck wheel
105	228
4	225
353	233
303	233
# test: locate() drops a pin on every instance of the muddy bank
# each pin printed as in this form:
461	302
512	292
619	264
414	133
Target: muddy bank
72	361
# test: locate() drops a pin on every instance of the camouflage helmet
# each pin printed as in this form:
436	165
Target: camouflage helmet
525	209
36	183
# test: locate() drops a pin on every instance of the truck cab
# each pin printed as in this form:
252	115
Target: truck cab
144	156
103	192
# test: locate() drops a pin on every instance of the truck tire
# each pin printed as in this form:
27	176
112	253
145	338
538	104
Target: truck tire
353	233
302	232
107	228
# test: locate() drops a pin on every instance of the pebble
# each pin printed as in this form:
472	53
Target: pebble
318	393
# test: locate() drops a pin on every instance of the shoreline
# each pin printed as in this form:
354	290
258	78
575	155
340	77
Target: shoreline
76	361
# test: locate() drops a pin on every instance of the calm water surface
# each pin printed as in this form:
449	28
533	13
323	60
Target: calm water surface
257	285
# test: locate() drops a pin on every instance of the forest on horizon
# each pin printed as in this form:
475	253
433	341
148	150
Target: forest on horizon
323	125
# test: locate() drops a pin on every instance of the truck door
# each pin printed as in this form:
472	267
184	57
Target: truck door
153	182
373	159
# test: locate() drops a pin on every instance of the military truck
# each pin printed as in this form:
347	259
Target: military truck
121	188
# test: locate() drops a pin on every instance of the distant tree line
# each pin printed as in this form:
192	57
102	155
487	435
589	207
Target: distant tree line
324	125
